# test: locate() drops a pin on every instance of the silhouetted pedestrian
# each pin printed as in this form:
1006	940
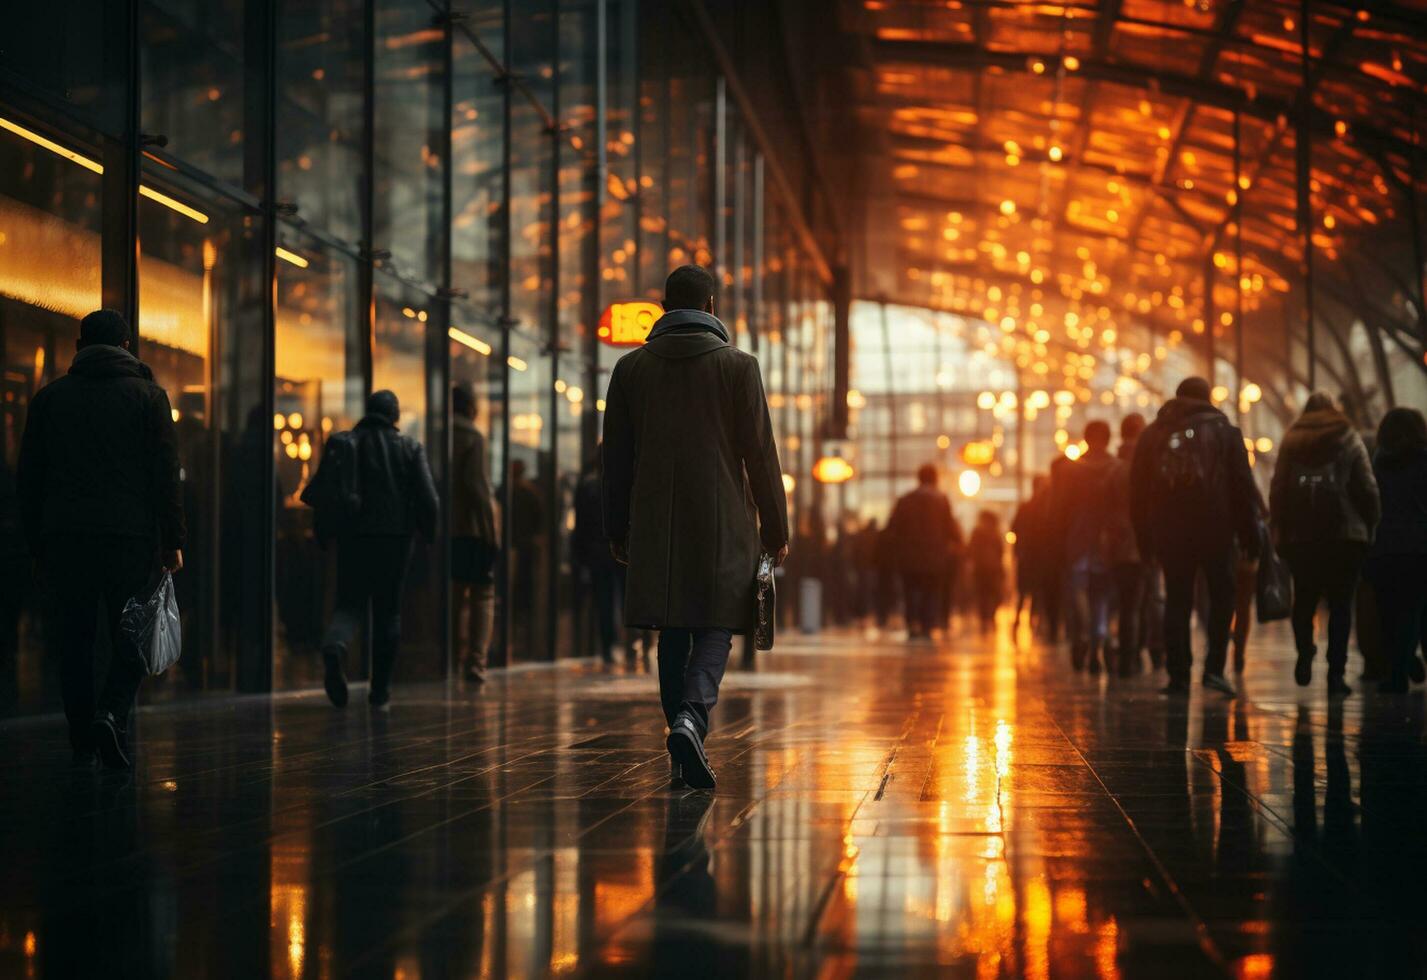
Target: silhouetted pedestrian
373	490
1136	580
1030	550
987	552
1323	509
1397	563
101	500
1191	497
601	577
475	539
693	490
1088	512
921	531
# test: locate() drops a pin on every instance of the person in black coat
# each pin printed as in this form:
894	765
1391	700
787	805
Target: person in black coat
102	506
693	491
923	534
1191	496
1397	563
1323	508
396	497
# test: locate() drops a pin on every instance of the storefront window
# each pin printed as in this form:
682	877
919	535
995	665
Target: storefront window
478	182
528	497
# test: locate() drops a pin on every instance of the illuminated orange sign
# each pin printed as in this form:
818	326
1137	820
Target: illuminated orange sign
628	324
832	469
978	453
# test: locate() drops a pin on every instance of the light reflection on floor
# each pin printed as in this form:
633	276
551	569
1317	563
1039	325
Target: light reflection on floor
968	808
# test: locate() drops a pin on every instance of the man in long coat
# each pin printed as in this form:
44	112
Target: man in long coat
693	492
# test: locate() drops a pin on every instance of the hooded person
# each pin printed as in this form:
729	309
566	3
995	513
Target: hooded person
1192	502
1397	562
101	502
1323	510
693	492
379	484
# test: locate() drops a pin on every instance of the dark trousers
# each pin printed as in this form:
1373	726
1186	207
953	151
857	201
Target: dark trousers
922	596
691	665
1325	571
370	574
607	595
83	575
1180	572
1400	582
1131	583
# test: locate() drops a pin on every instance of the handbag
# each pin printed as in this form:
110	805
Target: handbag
765	621
1274	586
154	628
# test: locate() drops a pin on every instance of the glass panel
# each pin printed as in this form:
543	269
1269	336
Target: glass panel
318	390
49	279
477	183
410	119
530	218
61	52
528	498
319	113
191	53
532	38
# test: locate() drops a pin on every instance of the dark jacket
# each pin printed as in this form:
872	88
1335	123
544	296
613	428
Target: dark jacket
99	455
1121	546
1084	497
398	494
1323	444
1402	482
922	532
1204	517
692	483
472	507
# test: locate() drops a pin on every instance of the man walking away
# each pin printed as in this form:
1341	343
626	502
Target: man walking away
1191	495
384	492
1397	564
693	490
475	542
1086	497
101	500
922	535
1323	509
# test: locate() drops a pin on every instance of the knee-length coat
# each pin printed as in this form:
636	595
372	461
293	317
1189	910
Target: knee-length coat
692	484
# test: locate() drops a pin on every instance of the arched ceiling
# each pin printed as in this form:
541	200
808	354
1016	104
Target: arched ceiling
1080	158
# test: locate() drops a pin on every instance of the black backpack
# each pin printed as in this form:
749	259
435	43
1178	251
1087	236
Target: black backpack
1316	497
335	493
1183	463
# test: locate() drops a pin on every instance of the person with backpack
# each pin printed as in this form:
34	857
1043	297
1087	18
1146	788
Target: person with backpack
372	491
1086	501
1191	496
1397	563
1323	509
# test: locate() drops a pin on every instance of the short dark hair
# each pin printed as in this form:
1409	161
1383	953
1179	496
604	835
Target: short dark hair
1097	433
463	401
104	327
1131	426
689	287
1193	388
384	404
926	474
1402	430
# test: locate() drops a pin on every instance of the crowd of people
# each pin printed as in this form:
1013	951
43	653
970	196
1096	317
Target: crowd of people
1172	524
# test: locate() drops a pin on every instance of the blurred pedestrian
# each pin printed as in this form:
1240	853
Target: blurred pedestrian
1136	581
1087	508
921	530
601	577
475	538
987	550
1029	550
1191	497
1323	509
1397	561
100	499
373	491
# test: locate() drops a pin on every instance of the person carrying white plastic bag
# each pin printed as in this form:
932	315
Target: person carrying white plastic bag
154	627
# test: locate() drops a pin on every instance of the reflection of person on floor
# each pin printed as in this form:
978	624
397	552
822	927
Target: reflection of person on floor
686	897
101	504
380	487
475	541
692	490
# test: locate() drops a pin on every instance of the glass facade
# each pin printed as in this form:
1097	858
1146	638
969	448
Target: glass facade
298	203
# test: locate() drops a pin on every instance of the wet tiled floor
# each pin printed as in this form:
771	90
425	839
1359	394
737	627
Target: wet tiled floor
971	809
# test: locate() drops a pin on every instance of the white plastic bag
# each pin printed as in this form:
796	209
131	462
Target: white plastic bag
152	625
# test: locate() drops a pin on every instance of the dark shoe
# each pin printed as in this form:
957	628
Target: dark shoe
676	772
380	700
334	678
1077	656
1337	687
686	748
82	758
1303	670
475	675
1393	686
1175	689
1220	683
111	742
1416	671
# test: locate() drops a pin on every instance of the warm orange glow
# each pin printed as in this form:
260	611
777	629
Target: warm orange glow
474	343
832	469
628	324
978	453
969	483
